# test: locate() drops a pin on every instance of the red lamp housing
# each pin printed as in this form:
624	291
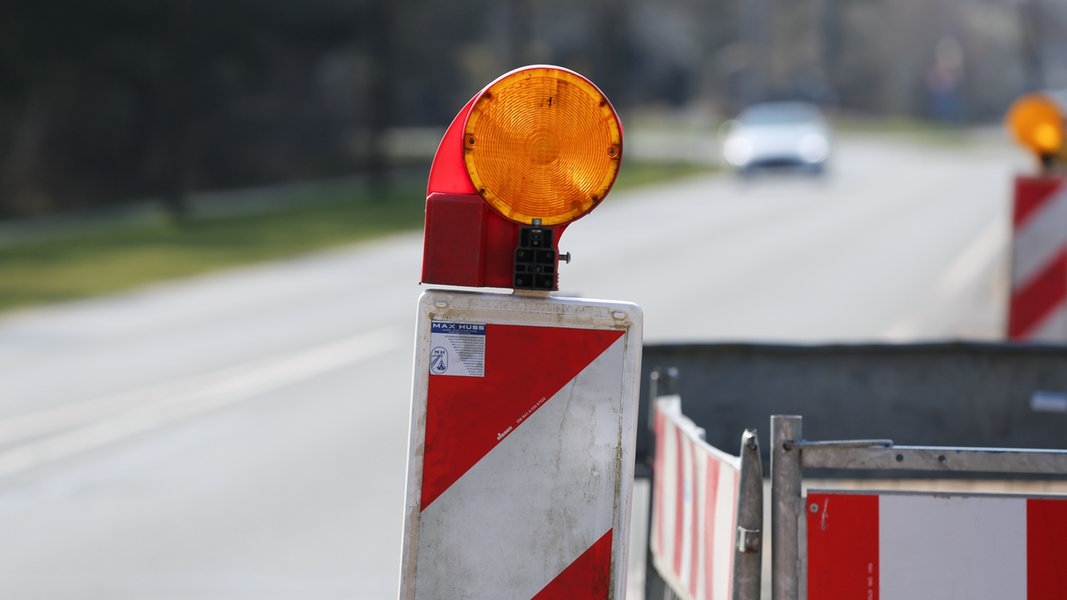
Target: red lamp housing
535	150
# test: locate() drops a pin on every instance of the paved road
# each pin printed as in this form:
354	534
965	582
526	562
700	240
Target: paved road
897	243
243	435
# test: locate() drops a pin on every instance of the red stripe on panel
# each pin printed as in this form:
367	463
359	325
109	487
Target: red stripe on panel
710	503
735	483
658	479
1032	194
1039	297
679	501
842	546
1046	549
694	522
525	366
588	577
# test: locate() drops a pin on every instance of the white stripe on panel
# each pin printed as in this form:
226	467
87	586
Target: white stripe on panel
951	547
1040	238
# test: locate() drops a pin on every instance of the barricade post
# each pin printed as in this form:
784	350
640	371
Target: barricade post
1038	303
748	557
662	381
523	423
785	503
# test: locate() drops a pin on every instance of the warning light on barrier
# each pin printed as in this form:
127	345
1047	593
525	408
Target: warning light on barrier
1037	307
542	144
538	148
1037	122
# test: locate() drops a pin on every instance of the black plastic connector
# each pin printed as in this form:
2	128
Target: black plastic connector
535	259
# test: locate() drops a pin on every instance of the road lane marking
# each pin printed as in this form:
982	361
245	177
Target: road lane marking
968	267
71	430
975	259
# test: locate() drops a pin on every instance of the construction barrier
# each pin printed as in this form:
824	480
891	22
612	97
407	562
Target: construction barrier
1038	304
696	504
894	545
889	546
521	448
827	543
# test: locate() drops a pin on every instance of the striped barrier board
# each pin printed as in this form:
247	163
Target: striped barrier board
694	505
966	547
522	445
1038	305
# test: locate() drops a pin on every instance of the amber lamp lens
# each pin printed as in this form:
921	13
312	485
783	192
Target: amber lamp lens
1037	123
542	143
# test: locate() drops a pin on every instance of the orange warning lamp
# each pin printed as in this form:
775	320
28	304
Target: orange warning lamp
1037	122
535	150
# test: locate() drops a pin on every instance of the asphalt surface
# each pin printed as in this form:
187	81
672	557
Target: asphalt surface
243	435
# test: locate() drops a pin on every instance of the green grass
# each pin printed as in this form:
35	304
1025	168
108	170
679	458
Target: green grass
928	132
650	173
108	258
84	261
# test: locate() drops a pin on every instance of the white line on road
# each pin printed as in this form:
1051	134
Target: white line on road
91	424
982	252
976	261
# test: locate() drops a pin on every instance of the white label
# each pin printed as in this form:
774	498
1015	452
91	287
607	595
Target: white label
457	349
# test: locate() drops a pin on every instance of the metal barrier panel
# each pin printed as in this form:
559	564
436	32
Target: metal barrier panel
959	394
892	546
694	504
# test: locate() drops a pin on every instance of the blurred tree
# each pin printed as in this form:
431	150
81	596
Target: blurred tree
1031	44
118	97
379	18
113	100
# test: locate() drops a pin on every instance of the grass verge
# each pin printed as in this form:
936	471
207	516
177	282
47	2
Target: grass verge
87	261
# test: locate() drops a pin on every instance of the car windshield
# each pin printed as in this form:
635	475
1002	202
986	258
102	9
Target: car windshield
784	113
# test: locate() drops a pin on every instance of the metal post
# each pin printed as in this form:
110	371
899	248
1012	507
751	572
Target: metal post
786	506
748	553
662	382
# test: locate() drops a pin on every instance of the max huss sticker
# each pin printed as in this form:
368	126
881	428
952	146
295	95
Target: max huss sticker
457	349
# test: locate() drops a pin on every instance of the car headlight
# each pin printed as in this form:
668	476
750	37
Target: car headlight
814	148
737	151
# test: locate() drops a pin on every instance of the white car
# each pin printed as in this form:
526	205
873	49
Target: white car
777	134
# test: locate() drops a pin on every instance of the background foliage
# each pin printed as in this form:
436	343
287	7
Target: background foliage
116	101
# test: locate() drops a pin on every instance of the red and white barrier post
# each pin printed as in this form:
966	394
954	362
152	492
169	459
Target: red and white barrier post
1038	308
1038	303
524	406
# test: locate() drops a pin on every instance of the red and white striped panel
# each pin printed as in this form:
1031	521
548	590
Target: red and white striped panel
520	471
906	546
694	506
1038	309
